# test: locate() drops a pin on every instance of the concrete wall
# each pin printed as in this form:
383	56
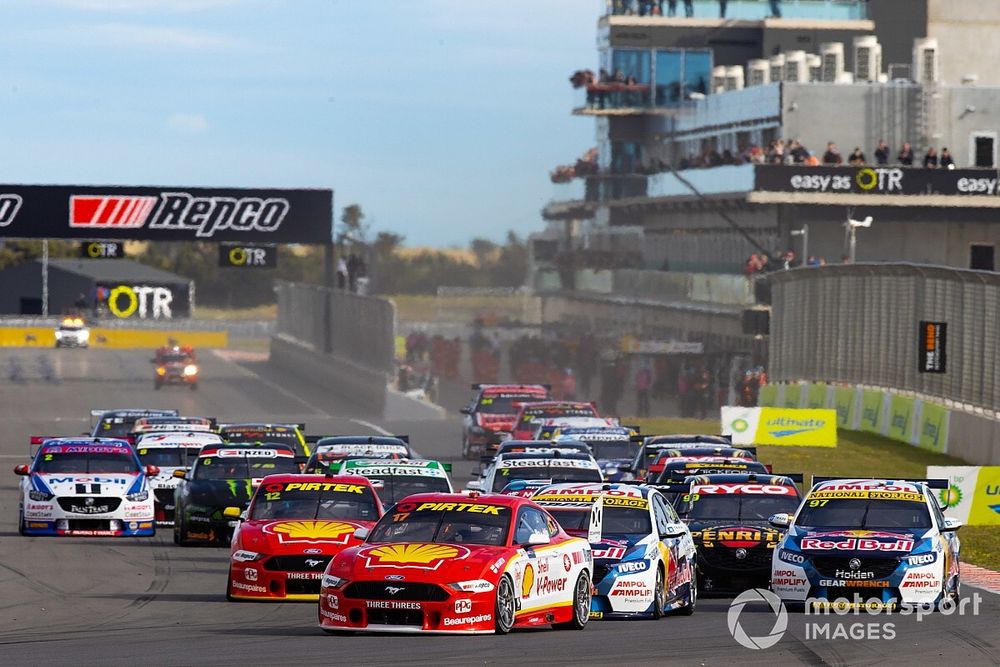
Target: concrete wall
341	377
966	31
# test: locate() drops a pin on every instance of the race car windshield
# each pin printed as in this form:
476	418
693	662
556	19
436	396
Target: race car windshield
613	449
278	437
111	427
617	521
174	358
168	457
239	467
864	513
502	405
87	462
447	526
70	327
740	507
327	504
557	475
396	487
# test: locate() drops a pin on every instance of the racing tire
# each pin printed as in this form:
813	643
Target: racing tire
505	607
229	586
692	601
659	595
20	524
581	605
179	532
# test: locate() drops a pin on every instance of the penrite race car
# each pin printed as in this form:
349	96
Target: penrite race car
489	418
295	524
550	464
652	445
94	486
530	415
449	563
72	332
223	476
330	452
644	557
170	452
286	434
118	423
867	543
395	480
612	446
728	517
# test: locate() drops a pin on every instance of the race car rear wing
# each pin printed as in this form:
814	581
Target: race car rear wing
97	414
546	387
931	483
313	439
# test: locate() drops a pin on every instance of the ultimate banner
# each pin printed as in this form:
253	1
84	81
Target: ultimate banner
166	214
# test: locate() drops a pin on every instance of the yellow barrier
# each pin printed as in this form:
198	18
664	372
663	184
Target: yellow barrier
122	339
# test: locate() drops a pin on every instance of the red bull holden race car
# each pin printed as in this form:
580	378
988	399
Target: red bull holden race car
295	524
455	564
867	543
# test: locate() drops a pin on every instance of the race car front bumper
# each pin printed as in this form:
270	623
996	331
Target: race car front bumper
90	527
126	518
724	570
200	528
620	595
438	612
266	580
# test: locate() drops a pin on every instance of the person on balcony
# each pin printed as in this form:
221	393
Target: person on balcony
882	153
832	156
905	156
671	7
931	158
856	158
946	161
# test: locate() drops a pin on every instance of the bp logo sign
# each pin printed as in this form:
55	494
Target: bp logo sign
951	496
740	425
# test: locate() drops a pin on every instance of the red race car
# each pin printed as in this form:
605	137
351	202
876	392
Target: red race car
295	524
450	563
490	416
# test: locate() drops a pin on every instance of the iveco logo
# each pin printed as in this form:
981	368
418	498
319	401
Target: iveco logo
854	563
741	553
392	590
312	562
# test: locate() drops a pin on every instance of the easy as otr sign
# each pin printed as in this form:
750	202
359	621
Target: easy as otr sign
262	257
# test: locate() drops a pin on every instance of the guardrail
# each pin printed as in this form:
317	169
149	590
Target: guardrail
861	324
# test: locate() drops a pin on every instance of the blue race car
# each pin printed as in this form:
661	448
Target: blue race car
867	543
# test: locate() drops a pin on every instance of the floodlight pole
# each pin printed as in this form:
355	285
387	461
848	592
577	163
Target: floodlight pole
45	277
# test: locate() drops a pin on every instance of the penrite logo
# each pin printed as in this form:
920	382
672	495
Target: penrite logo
173	210
9	206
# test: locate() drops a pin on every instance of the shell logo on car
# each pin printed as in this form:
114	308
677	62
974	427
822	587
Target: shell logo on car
528	581
424	556
312	531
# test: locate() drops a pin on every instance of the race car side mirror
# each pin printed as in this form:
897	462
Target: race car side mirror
152	471
780	520
540	537
673	532
362	533
232	513
465	410
474	485
21	469
951	525
180	474
625	467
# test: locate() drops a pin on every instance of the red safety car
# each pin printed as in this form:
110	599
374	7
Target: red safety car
175	365
450	563
490	416
295	524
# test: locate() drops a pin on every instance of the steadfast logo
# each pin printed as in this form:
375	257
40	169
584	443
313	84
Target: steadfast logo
180	211
10	204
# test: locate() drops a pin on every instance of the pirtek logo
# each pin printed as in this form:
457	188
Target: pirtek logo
175	211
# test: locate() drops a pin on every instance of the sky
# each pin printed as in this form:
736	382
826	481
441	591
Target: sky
441	118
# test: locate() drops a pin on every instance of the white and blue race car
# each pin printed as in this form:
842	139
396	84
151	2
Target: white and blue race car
644	557
92	486
867	543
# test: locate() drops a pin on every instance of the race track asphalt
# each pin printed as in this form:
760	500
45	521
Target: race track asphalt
69	601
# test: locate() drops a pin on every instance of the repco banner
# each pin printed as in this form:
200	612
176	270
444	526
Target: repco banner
166	214
877	180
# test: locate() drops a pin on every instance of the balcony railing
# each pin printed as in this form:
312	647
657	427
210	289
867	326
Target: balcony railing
751	10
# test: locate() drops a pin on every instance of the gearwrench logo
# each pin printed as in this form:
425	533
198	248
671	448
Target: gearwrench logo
780	620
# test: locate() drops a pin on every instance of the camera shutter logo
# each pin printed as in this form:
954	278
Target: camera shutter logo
780	620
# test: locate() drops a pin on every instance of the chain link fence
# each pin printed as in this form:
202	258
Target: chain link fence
353	327
859	324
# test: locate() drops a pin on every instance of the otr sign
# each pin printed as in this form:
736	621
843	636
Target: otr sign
125	301
102	250
248	256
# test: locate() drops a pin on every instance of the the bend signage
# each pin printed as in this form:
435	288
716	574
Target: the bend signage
177	214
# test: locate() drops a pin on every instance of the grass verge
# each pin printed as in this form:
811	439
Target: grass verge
266	312
857	453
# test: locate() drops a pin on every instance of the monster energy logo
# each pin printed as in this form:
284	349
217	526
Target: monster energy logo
234	486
